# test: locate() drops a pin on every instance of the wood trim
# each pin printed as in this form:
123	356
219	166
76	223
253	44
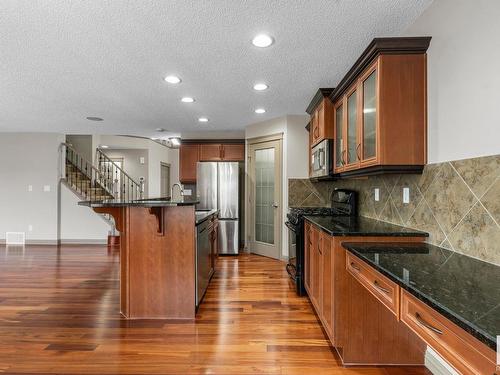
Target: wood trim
399	45
352	89
318	98
116	212
265	138
217	141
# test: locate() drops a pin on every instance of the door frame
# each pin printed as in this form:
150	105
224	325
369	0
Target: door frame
249	209
169	166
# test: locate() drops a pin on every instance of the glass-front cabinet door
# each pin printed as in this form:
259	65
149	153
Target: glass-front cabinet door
369	116
352	158
339	136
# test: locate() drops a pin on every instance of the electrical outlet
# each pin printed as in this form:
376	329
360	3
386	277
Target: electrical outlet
377	194
30	228
406	195
188	192
142	160
46	188
30	187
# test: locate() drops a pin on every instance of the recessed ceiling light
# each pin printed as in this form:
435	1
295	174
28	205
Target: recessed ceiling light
160	130
260	110
187	99
262	41
203	119
173	79
91	118
103	146
260	87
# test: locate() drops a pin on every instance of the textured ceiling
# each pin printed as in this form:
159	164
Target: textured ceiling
62	61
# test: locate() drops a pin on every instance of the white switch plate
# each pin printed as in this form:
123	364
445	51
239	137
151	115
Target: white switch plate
30	228
46	188
30	187
406	195
142	160
377	194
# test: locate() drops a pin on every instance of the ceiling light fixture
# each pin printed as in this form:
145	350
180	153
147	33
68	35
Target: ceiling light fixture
203	119
260	111
262	41
187	99
174	80
260	87
176	141
91	118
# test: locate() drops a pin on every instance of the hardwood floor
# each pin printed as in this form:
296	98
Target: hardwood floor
59	314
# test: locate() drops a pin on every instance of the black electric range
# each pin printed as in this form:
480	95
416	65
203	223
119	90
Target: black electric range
343	204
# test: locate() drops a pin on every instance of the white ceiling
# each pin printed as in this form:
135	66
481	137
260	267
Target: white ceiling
62	61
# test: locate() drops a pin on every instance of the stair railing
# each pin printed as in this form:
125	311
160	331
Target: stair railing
116	180
82	176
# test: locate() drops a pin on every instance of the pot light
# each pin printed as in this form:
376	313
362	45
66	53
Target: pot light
187	99
91	118
160	130
176	141
262	41
203	119
260	110
174	80
260	87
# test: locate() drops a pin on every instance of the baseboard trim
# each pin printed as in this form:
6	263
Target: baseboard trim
63	242
436	364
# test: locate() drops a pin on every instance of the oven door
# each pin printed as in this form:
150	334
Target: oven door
291	267
321	159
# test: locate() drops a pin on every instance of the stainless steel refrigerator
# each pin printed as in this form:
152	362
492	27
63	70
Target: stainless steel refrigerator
217	187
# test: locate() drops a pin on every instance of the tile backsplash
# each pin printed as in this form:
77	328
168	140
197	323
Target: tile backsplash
457	203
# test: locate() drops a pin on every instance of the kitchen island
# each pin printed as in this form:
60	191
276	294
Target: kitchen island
157	256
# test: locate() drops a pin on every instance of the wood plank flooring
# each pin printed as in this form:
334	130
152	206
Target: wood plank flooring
59	315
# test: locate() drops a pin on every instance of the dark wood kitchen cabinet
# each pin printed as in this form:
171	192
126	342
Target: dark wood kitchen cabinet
222	152
193	151
189	155
321	111
361	329
380	110
214	241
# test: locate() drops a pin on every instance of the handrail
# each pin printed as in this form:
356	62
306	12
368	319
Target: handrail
117	180
70	146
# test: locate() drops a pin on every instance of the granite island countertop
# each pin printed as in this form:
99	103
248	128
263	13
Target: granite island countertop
463	289
149	202
361	226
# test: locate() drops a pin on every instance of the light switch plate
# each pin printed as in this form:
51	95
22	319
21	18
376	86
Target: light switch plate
142	160
30	228
377	194
406	195
46	188
30	187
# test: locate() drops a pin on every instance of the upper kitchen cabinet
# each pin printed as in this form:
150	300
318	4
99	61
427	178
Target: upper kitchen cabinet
193	151
380	110
321	111
189	155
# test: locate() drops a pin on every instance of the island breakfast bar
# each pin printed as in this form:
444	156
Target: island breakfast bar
157	256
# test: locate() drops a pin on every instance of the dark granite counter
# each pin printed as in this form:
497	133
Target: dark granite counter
361	226
201	216
150	202
461	288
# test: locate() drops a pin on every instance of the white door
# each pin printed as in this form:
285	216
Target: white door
264	162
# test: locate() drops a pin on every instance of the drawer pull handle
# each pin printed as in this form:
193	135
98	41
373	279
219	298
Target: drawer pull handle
353	265
427	325
378	286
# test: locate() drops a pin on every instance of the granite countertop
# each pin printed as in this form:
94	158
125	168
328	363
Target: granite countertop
149	202
463	289
201	216
361	226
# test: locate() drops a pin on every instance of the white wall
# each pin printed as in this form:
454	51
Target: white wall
463	77
132	164
29	159
295	157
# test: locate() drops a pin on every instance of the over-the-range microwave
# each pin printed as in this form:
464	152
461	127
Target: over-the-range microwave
322	159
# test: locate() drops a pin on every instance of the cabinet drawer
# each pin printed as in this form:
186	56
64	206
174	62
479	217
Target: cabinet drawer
385	290
457	347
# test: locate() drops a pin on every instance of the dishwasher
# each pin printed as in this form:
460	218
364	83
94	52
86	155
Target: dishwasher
203	265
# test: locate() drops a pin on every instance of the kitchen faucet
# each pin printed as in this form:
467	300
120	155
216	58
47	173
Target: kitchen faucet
181	191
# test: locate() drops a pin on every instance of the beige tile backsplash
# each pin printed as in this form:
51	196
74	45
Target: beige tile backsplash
457	203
